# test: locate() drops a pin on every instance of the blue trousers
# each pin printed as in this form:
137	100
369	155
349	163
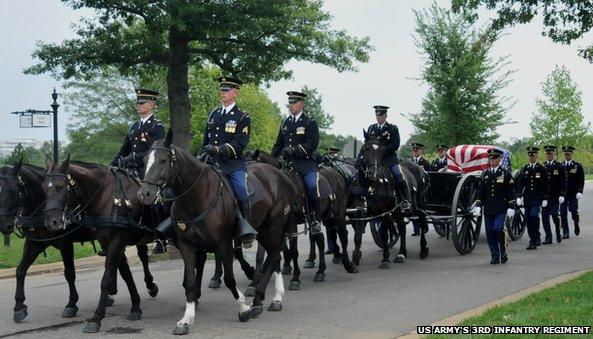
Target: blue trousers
550	211
397	172
571	205
311	181
532	216
496	234
238	181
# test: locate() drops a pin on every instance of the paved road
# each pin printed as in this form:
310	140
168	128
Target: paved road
373	303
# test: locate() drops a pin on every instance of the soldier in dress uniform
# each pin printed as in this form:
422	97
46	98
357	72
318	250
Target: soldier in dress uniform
440	162
225	137
389	134
417	150
141	135
297	141
497	196
575	183
532	192
557	180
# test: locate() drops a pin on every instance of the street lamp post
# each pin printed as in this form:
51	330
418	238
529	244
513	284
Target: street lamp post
55	106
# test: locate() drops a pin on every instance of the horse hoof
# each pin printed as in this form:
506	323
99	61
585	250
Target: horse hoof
91	327
319	277
110	301
337	260
135	315
424	254
384	265
214	284
70	312
309	264
20	315
356	256
275	306
352	269
181	329
245	316
153	291
286	270
256	310
250	291
294	285
399	259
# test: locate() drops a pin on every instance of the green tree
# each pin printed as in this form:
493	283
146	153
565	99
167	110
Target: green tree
463	103
18	153
314	108
564	21
559	120
250	39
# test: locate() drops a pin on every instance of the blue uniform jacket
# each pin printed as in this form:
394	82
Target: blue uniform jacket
303	136
390	141
139	139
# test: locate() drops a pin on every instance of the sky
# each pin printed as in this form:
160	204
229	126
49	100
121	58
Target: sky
387	79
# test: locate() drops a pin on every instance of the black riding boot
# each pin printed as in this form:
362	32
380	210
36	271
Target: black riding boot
575	218
314	212
246	233
404	190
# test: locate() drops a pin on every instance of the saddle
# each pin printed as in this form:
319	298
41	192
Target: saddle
255	189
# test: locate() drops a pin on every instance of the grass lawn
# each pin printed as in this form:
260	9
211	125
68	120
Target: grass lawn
11	256
566	304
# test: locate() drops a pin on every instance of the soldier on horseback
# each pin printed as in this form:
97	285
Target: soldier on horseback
297	140
388	134
225	137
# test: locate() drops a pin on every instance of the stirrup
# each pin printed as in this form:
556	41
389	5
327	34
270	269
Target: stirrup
315	227
247	240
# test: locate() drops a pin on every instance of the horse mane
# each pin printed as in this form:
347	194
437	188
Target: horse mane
264	157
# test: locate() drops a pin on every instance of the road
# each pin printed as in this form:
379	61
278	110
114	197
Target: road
374	303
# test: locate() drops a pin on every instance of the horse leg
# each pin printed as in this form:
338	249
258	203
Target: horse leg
67	251
295	282
310	262
343	234
115	251
424	229
216	281
245	266
320	275
226	255
384	234
358	227
286	269
31	251
271	265
259	259
188	254
126	274
153	289
200	261
401	229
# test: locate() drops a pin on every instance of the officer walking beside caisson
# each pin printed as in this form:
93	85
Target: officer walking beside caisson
557	182
575	183
440	162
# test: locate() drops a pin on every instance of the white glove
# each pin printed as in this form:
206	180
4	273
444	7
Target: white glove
544	203
477	211
561	200
579	196
510	212
519	201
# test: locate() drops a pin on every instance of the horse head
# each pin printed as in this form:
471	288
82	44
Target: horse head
57	187
263	157
9	196
160	167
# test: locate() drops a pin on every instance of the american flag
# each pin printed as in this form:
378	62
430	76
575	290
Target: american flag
472	158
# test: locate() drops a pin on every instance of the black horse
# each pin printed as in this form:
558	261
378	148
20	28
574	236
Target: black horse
104	200
204	217
383	203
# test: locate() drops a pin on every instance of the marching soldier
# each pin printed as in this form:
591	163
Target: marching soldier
141	135
417	149
389	136
557	180
497	196
225	137
532	192
440	162
574	191
297	140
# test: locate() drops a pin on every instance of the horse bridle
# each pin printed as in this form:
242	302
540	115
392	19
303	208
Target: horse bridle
22	191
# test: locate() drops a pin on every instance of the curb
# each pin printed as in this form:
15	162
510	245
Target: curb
56	267
457	318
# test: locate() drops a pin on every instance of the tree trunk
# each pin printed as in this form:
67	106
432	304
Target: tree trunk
178	88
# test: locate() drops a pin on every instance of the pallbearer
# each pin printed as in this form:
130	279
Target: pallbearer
440	162
557	182
532	192
497	196
575	182
417	150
